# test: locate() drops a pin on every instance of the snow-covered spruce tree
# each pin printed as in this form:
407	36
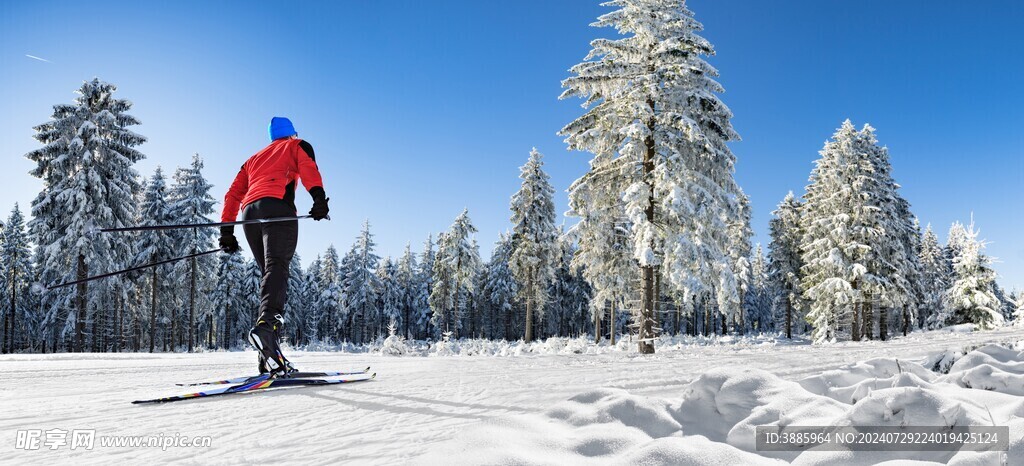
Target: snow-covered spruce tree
784	268
734	287
407	284
227	299
1007	303
330	302
605	254
16	278
840	222
933	280
295	307
250	297
758	302
893	254
315	315
534	242
157	246
1018	313
658	130
88	181
389	297
956	240
455	267
191	202
571	294
362	286
500	289
424	289
970	298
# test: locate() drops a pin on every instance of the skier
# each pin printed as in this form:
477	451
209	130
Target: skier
265	188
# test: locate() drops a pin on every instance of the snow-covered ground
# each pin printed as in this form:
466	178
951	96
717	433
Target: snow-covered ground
689	404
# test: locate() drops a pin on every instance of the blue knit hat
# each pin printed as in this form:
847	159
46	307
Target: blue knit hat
281	127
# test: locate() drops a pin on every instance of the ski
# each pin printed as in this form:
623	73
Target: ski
294	375
261	383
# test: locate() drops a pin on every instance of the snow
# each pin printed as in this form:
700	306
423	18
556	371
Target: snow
564	401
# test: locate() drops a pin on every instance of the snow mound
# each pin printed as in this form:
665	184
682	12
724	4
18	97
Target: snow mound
715	420
990	367
855	382
394	345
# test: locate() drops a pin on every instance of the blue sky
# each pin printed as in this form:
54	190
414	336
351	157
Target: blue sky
418	109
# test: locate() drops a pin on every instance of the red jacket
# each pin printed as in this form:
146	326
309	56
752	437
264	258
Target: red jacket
272	173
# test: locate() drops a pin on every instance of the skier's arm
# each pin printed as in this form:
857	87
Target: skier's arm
308	171
234	196
310	175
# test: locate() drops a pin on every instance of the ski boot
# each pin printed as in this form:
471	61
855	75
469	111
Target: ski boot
264	337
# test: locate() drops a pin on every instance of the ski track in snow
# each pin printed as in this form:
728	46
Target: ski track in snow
415	406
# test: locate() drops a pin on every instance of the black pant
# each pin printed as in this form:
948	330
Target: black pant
272	245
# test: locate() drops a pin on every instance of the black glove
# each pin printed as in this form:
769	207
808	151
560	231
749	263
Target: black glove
320	209
228	242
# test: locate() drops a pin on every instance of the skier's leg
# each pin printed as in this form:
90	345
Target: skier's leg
279	241
254	232
278	246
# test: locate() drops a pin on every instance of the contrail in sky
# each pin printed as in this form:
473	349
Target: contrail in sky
37	58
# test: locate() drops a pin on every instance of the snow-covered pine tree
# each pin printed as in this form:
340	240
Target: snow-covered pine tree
758	300
424	288
956	240
362	286
227	299
933	280
191	202
534	242
1018	315
407	284
1007	304
389	297
605	254
658	133
840	222
455	266
88	182
156	246
970	298
572	298
893	254
784	268
331	301
295	306
736	285
315	315
249	295
15	279
501	289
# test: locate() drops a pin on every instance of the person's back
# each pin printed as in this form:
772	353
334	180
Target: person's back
265	188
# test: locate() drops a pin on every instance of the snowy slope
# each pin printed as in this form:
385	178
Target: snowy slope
610	408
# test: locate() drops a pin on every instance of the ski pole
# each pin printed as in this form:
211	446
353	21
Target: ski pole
140	267
202	225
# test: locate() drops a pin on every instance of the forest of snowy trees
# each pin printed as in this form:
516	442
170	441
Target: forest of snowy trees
660	241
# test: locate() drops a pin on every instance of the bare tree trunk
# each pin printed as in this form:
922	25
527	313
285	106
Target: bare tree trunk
883	324
647	272
855	325
14	303
152	315
597	328
82	290
679	311
529	320
867	319
192	306
611	323
95	333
